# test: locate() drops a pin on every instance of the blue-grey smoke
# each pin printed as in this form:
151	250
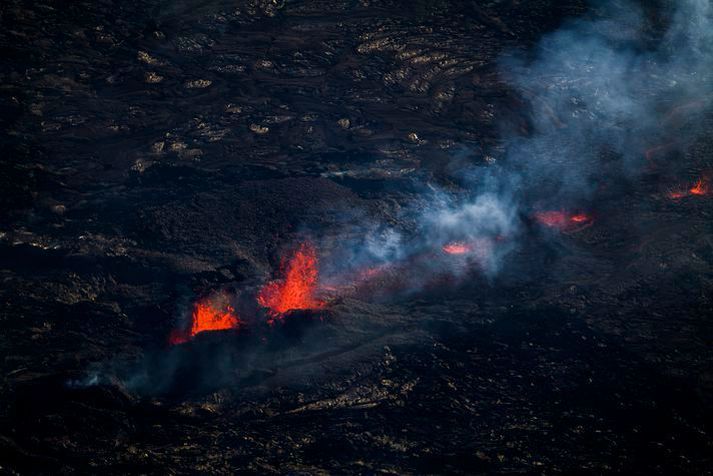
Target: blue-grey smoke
601	90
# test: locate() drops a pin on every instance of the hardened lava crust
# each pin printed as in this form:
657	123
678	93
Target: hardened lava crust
170	161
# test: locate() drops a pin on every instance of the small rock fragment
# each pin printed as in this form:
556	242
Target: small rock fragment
233	109
157	147
198	83
258	129
178	146
413	137
144	57
152	78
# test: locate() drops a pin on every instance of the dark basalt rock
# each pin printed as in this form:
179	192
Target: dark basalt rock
156	151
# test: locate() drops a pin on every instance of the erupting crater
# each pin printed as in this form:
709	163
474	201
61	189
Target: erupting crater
297	289
700	188
209	314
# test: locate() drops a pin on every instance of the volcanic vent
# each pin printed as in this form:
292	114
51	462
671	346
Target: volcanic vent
356	237
297	288
214	313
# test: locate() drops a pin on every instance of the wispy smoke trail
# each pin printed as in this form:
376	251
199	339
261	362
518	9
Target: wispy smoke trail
610	85
601	90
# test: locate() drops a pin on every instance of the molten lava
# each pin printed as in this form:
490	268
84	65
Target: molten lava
700	188
208	318
298	287
457	248
208	315
562	220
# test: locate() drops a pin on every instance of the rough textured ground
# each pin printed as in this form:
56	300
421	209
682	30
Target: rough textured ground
153	151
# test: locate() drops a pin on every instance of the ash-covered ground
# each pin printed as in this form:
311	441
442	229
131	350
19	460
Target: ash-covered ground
156	152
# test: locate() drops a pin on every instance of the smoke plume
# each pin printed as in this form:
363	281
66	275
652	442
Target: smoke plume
601	91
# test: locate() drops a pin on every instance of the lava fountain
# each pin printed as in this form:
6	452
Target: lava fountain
297	288
209	314
700	188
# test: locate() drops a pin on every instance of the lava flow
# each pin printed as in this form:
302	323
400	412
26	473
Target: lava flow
298	287
700	188
457	248
562	220
208	315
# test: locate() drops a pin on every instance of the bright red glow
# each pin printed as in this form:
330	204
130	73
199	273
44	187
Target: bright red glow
478	249
562	220
579	218
208	318
700	188
457	248
209	314
296	290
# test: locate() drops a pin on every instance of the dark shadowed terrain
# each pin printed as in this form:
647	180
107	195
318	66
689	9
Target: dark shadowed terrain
156	151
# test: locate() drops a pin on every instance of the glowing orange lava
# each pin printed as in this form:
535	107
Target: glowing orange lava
297	289
562	220
208	318
457	248
208	315
700	188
